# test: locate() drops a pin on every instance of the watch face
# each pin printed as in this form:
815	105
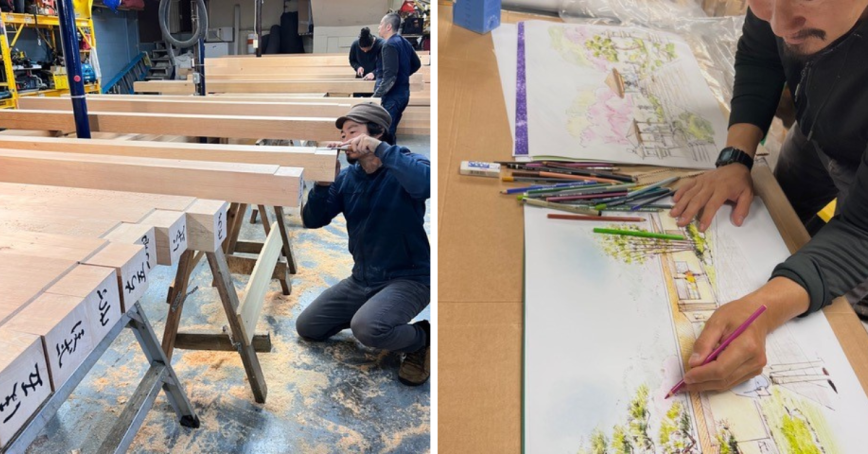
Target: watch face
726	155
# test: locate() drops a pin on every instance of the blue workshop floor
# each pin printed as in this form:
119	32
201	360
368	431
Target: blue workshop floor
338	396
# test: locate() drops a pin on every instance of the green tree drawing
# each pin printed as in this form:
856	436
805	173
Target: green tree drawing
638	420
799	436
695	126
621	443
675	431
726	440
631	249
602	47
598	442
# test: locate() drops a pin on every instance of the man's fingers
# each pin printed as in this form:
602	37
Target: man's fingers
742	207
688	195
710	210
721	368
680	193
696	203
711	335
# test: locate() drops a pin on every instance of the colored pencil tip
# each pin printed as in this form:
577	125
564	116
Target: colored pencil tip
668	395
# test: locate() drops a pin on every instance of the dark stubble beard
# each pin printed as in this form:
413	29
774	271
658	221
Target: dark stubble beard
797	52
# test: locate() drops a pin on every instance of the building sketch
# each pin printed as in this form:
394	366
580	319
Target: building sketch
780	411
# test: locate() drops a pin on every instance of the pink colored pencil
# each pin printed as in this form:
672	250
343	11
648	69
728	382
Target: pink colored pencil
717	351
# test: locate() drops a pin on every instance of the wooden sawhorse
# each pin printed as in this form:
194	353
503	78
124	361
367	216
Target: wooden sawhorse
242	315
159	376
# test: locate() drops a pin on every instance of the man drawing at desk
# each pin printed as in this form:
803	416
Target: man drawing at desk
818	49
382	195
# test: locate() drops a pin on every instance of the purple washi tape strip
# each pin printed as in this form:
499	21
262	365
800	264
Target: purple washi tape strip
521	148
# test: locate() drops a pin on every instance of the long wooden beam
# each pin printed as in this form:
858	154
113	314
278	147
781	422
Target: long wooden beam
339	59
305	128
253	97
318	163
292	86
244	183
169	87
191	107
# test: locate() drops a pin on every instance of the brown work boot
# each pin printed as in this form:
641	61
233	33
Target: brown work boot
416	367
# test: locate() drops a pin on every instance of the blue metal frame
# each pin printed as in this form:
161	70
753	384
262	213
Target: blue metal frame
69	42
105	88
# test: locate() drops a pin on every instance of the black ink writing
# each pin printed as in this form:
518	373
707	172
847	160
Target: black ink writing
8	401
137	278
34	381
146	242
220	226
69	345
104	306
180	237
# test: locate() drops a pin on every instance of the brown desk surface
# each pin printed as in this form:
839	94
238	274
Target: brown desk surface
481	254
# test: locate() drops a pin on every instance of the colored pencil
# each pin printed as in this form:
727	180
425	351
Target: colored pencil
577	217
586	190
630	197
657	185
646	208
590	173
564	198
565	176
561	207
651	200
717	351
571	184
640	233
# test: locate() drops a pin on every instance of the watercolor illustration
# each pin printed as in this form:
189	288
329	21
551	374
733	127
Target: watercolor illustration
636	95
638	304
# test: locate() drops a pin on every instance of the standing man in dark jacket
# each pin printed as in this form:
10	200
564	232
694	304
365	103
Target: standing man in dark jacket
399	61
382	195
364	55
818	49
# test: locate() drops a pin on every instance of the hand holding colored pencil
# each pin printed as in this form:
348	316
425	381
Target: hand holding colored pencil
717	351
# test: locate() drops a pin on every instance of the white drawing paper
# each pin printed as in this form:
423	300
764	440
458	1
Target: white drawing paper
610	322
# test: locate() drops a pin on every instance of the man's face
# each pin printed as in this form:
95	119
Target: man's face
351	130
808	26
382	29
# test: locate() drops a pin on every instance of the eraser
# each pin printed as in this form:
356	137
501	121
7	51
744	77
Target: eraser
480	169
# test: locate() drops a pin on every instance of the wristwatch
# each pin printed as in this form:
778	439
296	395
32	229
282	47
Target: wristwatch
730	155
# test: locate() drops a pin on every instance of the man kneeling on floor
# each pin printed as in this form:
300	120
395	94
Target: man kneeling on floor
382	196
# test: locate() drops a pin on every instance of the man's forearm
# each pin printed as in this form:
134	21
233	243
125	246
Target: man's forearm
784	299
745	137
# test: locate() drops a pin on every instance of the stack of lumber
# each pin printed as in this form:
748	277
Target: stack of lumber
229	116
72	261
297	75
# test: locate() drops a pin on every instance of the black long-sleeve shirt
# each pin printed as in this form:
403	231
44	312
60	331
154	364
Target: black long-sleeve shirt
367	60
830	93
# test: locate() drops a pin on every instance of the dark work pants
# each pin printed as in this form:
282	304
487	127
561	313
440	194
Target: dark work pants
395	101
811	179
378	315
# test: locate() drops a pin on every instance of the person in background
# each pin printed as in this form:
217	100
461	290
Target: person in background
382	196
399	61
364	54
